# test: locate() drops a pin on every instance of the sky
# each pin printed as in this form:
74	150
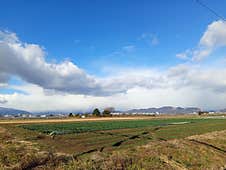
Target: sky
78	55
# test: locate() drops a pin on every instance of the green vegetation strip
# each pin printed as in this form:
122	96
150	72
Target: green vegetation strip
80	127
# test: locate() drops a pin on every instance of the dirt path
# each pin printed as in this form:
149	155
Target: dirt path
2	130
25	121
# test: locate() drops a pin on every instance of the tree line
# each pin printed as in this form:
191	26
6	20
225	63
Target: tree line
96	112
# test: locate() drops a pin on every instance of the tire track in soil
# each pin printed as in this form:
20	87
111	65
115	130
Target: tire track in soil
208	145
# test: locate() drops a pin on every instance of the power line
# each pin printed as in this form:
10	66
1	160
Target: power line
211	10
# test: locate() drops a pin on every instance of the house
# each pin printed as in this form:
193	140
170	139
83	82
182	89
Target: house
83	116
43	116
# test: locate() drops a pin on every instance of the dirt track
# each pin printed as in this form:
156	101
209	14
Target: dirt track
25	121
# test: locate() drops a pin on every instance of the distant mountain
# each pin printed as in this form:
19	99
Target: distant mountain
222	110
166	110
10	111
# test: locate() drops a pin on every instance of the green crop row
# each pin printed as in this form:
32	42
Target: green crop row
79	127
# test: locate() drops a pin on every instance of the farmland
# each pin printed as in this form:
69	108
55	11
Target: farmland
80	127
158	143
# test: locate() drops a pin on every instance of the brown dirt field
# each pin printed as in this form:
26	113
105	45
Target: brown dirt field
2	130
59	120
25	121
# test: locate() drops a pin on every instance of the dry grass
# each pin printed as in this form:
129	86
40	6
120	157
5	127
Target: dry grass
23	149
18	154
174	154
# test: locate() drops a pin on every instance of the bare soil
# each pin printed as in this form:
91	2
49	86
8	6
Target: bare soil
59	120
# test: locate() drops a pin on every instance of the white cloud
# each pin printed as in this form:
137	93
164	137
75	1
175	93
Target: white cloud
129	48
181	85
122	52
154	40
36	99
151	39
199	77
214	37
184	55
184	88
3	100
27	61
63	86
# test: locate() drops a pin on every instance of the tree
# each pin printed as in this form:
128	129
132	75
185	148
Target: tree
77	115
96	112
106	113
202	113
108	110
70	115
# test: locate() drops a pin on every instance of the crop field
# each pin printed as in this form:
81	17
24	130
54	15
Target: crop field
157	143
81	127
66	128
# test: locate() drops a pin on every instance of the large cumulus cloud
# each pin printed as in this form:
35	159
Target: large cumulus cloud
214	37
27	61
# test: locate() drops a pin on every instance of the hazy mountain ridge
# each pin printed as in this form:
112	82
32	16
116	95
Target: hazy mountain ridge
222	110
166	110
11	111
162	110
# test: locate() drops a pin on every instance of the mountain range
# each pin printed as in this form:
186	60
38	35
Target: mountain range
222	110
10	111
160	110
166	110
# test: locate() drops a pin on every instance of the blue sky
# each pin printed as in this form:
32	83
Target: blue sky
98	36
87	32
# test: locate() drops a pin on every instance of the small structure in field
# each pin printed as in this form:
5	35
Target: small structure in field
203	113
